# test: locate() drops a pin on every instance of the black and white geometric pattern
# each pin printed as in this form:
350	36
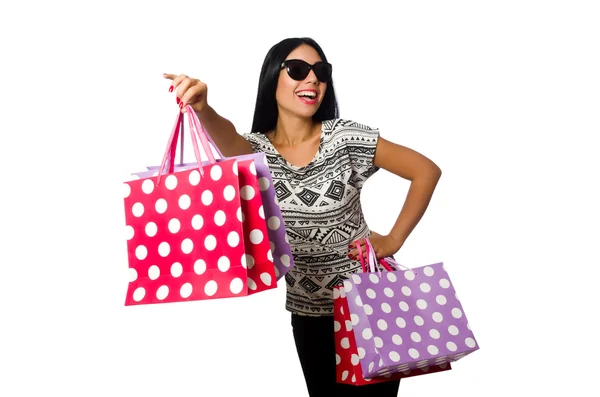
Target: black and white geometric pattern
320	205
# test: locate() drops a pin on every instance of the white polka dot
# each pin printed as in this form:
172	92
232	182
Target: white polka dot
265	161
153	272
434	333
409	275
373	278
453	330
133	275
406	291
251	284
151	229
199	267
397	339
368	309
347	286
194	177
186	290
388	292
160	206
371	366
240	216
211	288
400	322
235	167
470	342
129	232
345	375
164	249
236	285
126	190
247	192
197	222
371	294
425	287
148	186
261	212
444	283
139	294
358	301
263	183
354	318
266	278
274	223
451	346
391	276
171	182
394	356
137	210
216	173
187	246
277	273
354	359
220	218
210	242
441	299
428	271
367	333
386	308
456	313
184	202
247	261
233	239
356	279
432	350
252	168
403	306
378	342
413	353
229	193
419	320
382	325
223	263
256	236
176	269
174	225
269	256
361	353
285	259
338	359
207	197
141	252
345	343
162	292
336	326
437	317
415	336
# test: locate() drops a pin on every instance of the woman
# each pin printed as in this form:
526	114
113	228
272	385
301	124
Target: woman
319	164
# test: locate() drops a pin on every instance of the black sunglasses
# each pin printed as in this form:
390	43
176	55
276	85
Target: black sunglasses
297	69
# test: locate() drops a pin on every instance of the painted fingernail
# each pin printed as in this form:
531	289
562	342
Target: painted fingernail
171	89
178	100
180	104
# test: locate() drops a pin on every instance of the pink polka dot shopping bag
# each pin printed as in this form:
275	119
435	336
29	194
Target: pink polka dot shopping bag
198	233
397	323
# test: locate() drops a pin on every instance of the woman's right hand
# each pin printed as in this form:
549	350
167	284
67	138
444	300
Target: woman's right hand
189	91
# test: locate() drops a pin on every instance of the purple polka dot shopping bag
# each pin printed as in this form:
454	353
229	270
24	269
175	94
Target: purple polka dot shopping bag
403	320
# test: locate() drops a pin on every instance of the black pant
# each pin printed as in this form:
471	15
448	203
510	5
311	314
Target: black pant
316	349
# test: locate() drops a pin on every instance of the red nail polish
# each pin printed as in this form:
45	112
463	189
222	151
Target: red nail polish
171	89
181	105
178	100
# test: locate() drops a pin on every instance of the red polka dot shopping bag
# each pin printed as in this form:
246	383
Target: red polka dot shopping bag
196	234
403	322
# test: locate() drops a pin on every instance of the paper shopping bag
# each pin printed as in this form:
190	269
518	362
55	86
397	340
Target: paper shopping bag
185	233
348	355
405	320
279	244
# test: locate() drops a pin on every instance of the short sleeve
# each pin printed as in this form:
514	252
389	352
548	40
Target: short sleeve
254	139
361	143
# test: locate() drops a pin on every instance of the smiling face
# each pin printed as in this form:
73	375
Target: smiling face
300	98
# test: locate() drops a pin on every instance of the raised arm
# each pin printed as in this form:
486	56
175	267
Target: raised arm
193	92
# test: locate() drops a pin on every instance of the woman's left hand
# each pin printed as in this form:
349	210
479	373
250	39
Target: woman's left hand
384	246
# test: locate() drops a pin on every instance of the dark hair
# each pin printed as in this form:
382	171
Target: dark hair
265	111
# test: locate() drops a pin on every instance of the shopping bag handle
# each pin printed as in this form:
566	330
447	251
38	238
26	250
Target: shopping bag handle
388	263
195	134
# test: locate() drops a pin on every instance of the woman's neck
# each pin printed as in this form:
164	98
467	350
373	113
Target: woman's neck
293	130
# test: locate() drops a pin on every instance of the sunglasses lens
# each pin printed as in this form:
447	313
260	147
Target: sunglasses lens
298	70
322	71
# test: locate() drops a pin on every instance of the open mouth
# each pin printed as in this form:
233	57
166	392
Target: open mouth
307	96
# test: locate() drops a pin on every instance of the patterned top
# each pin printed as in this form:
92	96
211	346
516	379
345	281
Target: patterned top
320	206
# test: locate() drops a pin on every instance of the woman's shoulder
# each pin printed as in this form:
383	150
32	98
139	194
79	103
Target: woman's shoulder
346	125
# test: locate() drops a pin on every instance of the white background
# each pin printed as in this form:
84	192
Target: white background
503	96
